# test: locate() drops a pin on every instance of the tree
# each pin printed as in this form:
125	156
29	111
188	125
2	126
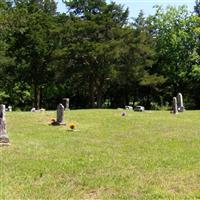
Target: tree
194	75
5	60
31	41
97	28
134	67
173	32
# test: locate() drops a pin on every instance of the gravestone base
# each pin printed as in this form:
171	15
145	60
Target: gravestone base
58	124
61	124
4	141
181	109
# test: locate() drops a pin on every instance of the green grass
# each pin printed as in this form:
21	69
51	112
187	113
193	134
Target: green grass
150	155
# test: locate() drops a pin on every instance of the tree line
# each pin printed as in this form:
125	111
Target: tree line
95	55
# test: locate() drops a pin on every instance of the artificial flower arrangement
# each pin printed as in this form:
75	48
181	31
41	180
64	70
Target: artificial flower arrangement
72	126
53	122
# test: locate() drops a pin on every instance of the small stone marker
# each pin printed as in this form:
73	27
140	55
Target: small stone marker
33	109
60	115
129	107
9	108
180	102
139	108
4	140
66	103
174	106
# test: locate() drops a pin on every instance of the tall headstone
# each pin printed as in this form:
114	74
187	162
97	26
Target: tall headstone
66	103
174	106
60	114
3	111
4	140
180	102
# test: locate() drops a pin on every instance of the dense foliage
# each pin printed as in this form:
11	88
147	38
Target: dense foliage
95	56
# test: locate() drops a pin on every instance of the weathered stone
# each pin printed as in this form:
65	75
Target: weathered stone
33	109
66	103
4	140
129	107
174	106
139	108
180	102
9	108
60	114
2	111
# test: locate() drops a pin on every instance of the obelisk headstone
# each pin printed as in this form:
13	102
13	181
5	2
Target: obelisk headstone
4	140
60	114
180	102
174	106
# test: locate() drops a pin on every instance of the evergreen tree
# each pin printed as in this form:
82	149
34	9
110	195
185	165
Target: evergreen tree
31	41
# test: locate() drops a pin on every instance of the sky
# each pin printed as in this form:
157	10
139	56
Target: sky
146	5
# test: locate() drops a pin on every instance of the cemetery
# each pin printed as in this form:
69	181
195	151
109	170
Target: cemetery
143	155
99	100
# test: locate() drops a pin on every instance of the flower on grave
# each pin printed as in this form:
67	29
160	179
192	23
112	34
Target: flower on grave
123	114
53	121
72	126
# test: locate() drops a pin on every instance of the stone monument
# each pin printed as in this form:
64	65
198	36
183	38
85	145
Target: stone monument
60	115
174	106
9	108
66	103
180	102
4	140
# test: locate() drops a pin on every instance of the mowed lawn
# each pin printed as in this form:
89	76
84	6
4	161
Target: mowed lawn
150	155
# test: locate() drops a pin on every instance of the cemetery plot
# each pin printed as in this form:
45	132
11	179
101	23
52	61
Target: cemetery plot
144	155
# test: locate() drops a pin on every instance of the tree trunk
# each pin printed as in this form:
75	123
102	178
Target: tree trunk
37	93
99	98
38	98
91	94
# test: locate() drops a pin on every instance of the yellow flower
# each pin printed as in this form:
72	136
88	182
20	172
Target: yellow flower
72	126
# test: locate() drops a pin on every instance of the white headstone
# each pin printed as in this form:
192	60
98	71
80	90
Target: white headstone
9	108
66	103
33	109
180	102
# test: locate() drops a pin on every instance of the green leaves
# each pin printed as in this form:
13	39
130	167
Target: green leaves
92	53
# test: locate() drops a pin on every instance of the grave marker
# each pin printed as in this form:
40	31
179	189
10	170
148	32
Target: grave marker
174	106
180	102
4	140
66	103
60	114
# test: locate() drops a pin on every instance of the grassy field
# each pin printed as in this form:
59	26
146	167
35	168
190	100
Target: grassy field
150	155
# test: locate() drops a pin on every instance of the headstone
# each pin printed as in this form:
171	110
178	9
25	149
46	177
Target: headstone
139	108
174	106
129	107
180	102
33	109
9	108
66	103
3	111
60	114
4	140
